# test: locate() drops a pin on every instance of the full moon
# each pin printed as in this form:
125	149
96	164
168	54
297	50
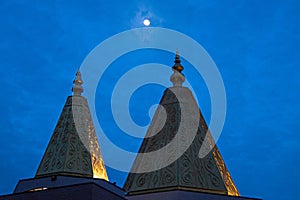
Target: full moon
146	22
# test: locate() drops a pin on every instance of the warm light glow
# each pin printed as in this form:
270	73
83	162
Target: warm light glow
146	22
99	170
38	189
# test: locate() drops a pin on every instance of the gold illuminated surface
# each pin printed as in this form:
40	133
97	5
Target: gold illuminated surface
230	186
73	148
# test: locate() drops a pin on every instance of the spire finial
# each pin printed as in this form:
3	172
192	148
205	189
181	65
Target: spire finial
177	66
177	77
77	87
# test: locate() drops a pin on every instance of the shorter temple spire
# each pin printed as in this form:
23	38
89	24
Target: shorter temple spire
74	149
77	88
177	78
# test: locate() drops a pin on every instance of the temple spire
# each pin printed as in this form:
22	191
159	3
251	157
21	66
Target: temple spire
74	149
177	78
179	113
77	87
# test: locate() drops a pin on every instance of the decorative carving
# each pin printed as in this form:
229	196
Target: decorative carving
73	148
189	171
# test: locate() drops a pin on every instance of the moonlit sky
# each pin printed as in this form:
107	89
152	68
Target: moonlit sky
254	44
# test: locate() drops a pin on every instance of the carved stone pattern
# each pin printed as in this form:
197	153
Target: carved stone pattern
73	148
187	171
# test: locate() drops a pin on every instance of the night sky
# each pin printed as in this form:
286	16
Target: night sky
253	43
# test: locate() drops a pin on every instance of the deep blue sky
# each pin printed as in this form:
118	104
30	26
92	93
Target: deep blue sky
254	44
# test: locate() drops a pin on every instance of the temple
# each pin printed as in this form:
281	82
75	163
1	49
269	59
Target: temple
168	165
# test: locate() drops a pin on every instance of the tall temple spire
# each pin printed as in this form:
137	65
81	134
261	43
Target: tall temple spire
73	149
189	172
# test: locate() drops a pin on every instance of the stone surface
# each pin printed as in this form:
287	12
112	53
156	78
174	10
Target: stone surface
73	148
179	114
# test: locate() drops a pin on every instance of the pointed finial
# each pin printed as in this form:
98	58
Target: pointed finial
177	77
177	66
77	87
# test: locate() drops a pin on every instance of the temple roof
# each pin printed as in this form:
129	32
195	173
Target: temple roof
73	148
187	172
